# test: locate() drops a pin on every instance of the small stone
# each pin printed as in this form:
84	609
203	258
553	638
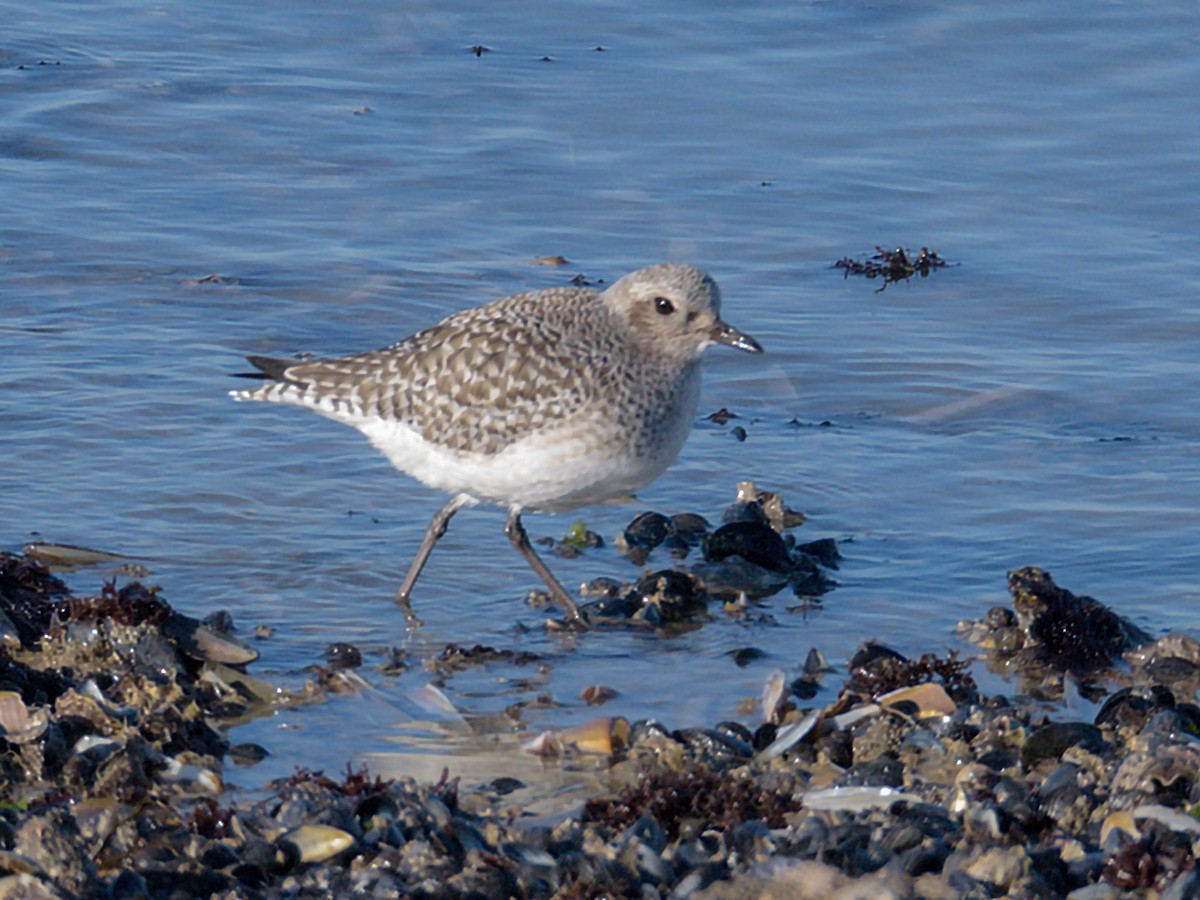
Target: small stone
316	843
342	655
690	525
675	596
247	754
1000	866
1050	741
754	542
647	531
597	694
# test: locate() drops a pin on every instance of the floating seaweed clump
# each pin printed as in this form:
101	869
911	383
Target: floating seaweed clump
892	265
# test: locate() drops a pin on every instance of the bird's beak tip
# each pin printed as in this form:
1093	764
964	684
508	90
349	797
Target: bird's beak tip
731	337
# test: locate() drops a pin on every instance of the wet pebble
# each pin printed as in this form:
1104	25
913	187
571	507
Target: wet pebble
342	655
1050	741
690	525
669	596
743	656
647	531
247	754
598	694
316	843
754	542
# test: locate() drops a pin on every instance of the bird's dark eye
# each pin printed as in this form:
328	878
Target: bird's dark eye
663	306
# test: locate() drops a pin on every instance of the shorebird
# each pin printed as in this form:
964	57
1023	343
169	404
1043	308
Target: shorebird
544	401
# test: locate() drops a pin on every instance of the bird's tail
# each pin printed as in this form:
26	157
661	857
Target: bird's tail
270	369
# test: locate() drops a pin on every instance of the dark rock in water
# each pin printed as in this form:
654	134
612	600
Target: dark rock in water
745	512
869	653
648	530
676	596
220	621
815	662
733	576
825	551
743	656
1000	617
505	785
806	687
808	580
248	754
690	525
677	545
603	589
341	655
621	606
1072	633
755	542
1050	741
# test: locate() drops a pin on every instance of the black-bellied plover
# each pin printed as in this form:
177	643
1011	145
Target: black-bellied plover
544	401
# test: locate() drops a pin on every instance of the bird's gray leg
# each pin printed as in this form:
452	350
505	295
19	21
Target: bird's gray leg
516	533
433	533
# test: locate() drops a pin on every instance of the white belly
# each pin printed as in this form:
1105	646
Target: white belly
588	460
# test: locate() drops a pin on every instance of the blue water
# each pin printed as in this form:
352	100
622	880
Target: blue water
352	174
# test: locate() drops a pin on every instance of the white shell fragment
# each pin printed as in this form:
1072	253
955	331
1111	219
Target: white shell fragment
91	742
930	699
318	843
69	556
1171	818
790	735
855	799
14	717
854	716
191	777
774	695
606	735
18	725
546	745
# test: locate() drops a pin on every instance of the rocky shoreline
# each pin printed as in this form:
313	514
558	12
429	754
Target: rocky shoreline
911	784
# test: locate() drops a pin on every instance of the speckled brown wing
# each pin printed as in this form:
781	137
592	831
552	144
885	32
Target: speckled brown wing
475	382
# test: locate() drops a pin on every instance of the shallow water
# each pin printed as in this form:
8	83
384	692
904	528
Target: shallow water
353	175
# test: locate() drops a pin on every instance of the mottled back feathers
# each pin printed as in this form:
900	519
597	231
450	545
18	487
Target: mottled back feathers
486	378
